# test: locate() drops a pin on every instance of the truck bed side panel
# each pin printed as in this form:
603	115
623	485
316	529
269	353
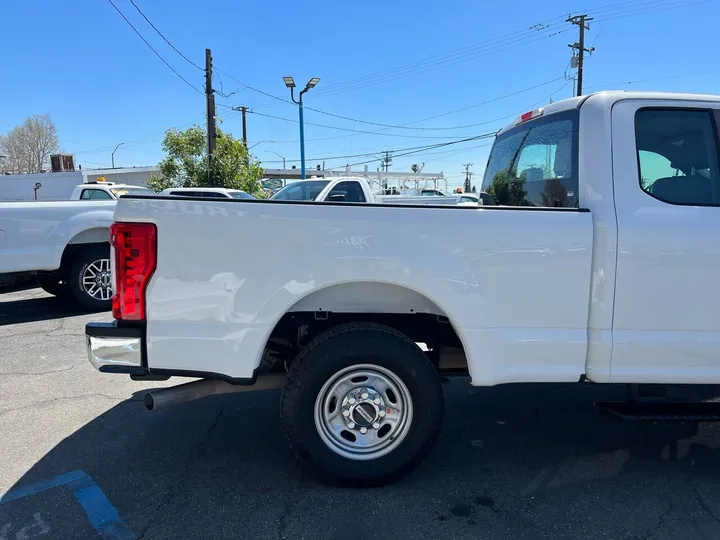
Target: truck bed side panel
514	283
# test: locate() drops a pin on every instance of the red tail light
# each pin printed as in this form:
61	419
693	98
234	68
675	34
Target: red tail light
135	246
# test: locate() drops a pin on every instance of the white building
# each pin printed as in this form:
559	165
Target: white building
58	186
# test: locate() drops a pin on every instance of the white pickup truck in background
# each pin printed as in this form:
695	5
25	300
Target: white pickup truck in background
208	192
355	189
63	245
105	191
605	272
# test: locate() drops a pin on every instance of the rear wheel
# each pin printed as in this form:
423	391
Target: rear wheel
363	405
89	278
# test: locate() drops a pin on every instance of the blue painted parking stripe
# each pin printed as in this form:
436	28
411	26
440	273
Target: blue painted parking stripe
37	487
100	512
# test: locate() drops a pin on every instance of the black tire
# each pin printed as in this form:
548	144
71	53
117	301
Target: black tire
80	261
52	284
340	348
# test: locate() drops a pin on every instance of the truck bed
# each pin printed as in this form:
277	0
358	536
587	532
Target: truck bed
228	270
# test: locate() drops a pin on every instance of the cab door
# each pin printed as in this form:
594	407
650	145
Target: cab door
666	180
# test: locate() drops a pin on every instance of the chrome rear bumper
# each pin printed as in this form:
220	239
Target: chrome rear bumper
115	349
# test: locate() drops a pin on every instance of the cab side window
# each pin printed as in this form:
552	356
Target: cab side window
678	156
351	190
94	194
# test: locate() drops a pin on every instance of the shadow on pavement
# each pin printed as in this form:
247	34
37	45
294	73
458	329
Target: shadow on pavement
22	285
34	306
522	461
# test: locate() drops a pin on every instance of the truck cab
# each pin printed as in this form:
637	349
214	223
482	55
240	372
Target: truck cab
338	189
208	192
100	190
353	189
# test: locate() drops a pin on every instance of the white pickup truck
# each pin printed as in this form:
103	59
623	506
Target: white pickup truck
63	245
355	189
105	191
208	192
606	272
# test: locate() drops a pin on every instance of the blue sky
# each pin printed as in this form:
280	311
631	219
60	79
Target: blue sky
390	63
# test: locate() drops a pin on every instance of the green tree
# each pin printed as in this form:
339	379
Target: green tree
507	189
186	163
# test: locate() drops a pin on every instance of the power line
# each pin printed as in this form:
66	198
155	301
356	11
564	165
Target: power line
453	152
221	92
423	68
276	98
159	135
407	126
153	50
641	8
652	79
407	151
164	38
345	129
544	30
475	138
420	67
141	140
626	9
478	124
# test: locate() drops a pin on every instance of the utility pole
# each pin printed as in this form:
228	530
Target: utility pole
210	105
244	122
580	21
386	160
244	111
468	176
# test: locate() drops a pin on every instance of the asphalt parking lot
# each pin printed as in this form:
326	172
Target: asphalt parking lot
81	458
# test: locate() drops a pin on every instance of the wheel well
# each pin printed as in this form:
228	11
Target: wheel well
97	235
296	329
71	250
366	297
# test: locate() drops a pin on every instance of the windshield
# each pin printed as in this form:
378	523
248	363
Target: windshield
118	192
301	191
535	164
240	195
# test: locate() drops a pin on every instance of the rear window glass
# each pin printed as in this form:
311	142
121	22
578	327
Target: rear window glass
119	192
305	190
240	195
535	164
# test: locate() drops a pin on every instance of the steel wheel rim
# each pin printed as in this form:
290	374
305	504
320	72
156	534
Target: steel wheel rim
96	280
381	399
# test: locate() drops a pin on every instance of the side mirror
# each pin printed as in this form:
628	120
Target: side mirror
339	197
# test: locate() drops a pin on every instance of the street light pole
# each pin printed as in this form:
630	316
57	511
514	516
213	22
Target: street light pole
259	142
112	156
302	137
290	83
278	155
